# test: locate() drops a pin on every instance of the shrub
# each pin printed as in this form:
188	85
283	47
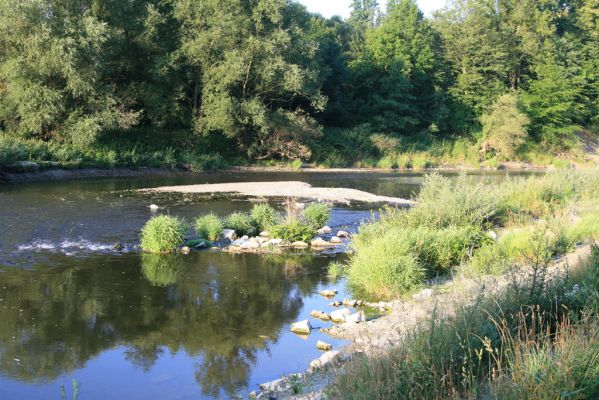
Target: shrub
317	215
293	231
336	270
504	127
265	216
385	268
209	226
163	234
241	223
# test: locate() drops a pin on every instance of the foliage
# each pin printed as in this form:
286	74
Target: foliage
317	215
209	226
504	127
242	223
163	234
265	216
161	270
522	343
293	231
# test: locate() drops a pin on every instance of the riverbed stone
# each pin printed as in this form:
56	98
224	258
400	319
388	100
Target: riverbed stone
356	318
336	240
299	245
185	250
252	243
328	292
262	239
301	327
342	234
265	234
324	230
340	316
274	242
350	302
324	360
239	242
320	345
336	304
229	234
320	242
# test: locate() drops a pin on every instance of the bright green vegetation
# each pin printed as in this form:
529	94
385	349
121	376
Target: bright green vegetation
183	83
242	223
293	231
317	215
265	216
448	229
163	234
209	226
161	270
537	340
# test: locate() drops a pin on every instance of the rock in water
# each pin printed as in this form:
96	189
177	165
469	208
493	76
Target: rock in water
320	242
299	245
320	345
340	316
342	234
356	318
328	293
301	327
252	243
324	360
154	207
185	250
336	240
324	230
274	242
229	234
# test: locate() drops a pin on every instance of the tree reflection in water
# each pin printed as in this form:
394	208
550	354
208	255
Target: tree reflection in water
216	307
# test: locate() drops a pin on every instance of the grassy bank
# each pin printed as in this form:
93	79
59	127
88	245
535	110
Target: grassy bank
538	340
470	226
339	148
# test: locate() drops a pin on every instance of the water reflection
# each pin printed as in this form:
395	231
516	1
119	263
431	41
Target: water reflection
219	309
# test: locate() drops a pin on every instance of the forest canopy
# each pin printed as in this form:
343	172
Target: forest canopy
266	79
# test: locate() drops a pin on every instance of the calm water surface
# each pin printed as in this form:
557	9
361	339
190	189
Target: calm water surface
129	325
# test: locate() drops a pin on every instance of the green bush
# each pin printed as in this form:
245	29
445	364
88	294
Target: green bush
209	226
317	215
163	234
265	216
293	231
242	223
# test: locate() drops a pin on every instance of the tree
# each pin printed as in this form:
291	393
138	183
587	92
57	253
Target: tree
504	127
51	83
255	72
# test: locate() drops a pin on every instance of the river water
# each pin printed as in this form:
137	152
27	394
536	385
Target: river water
122	324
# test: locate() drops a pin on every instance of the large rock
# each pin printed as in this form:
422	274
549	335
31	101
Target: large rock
262	239
229	234
320	345
342	234
301	327
356	318
320	242
300	245
239	242
252	243
336	240
265	234
324	230
328	292
324	360
273	242
340	316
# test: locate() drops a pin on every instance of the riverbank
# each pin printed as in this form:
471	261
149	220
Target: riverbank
442	301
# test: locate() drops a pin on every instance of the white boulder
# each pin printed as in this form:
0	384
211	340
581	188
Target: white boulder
356	318
324	230
320	242
229	234
340	316
301	327
342	234
324	360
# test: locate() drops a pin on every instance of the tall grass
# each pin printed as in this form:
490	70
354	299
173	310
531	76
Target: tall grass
241	223
265	216
209	226
448	227
537	341
317	215
163	234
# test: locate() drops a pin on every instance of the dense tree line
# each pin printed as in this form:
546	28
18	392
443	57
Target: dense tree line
263	77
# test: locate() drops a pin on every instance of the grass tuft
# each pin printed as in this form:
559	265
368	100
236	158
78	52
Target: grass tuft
163	234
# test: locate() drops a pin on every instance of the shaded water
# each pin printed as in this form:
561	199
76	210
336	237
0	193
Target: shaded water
136	326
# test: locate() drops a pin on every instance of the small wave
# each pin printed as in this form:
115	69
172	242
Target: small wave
71	247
